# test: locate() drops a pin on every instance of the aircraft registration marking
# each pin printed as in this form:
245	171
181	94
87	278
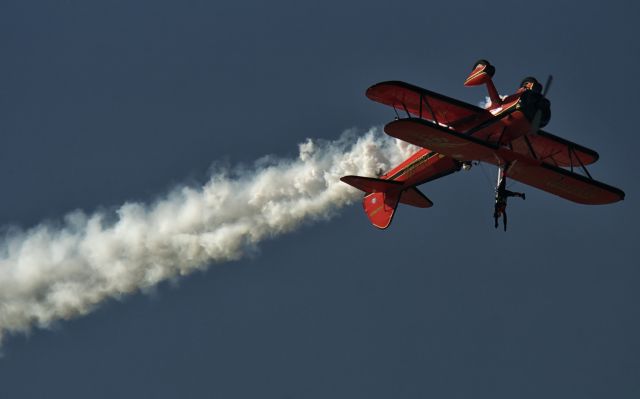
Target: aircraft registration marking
442	142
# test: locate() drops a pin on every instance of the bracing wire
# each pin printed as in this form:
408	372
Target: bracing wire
486	176
510	183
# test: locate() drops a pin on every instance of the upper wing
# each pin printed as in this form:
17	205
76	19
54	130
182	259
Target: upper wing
534	172
448	111
427	104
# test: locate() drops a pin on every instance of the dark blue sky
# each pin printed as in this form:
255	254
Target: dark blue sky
104	102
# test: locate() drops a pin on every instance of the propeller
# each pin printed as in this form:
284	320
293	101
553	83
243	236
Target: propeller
537	118
547	85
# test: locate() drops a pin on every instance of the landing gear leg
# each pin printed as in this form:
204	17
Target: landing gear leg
501	184
504	220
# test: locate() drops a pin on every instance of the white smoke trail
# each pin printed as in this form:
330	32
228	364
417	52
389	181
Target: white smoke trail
486	103
49	273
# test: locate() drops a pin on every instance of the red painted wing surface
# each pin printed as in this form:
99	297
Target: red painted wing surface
524	168
442	140
427	104
464	116
555	150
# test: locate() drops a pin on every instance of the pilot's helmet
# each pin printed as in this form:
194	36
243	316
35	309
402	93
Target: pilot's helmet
531	83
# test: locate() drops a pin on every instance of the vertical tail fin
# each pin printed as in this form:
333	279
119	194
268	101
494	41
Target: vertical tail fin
380	207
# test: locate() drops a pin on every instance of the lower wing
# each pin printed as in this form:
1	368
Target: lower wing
528	170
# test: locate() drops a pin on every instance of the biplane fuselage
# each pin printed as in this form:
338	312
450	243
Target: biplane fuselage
452	133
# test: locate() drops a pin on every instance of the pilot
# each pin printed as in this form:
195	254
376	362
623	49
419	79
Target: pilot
500	208
532	101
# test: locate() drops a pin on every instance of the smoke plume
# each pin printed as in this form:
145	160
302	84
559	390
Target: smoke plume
58	271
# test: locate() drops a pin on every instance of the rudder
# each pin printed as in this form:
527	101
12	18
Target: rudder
380	207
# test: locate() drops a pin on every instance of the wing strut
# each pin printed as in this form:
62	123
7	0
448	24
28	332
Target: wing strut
426	102
533	153
396	111
406	110
579	161
572	154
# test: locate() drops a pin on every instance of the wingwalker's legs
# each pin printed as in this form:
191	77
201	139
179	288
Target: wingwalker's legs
500	207
501	201
504	219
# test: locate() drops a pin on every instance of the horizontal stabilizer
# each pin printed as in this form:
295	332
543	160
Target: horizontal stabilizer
412	196
371	184
382	197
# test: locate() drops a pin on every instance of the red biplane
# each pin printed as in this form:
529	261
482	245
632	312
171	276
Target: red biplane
453	134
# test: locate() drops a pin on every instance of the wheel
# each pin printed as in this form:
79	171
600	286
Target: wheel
489	69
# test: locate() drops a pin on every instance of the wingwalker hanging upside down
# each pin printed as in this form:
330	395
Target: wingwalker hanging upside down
453	134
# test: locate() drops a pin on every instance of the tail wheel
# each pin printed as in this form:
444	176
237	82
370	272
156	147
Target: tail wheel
489	69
